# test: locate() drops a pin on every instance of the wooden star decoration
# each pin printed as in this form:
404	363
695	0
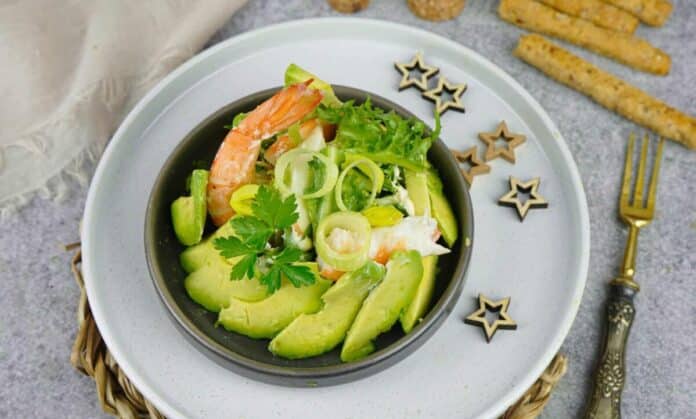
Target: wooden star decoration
476	166
435	95
508	151
512	199
478	317
421	82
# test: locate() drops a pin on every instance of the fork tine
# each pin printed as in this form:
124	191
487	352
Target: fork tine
640	177
626	185
653	178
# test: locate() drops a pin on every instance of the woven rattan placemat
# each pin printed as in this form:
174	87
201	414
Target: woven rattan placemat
119	397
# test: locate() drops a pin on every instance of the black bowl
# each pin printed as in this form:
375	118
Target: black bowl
249	356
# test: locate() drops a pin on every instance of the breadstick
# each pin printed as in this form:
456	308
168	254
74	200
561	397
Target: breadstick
348	6
436	10
652	12
607	89
634	52
598	12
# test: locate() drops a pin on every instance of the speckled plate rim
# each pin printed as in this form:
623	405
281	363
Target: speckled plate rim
120	352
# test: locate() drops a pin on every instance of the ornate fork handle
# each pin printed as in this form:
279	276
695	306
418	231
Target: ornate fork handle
605	402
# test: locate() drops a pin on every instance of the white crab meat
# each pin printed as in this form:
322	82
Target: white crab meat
417	233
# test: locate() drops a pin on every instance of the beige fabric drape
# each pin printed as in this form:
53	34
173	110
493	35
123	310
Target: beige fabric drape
71	70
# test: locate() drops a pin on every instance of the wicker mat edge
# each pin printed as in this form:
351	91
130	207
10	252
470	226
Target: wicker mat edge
119	397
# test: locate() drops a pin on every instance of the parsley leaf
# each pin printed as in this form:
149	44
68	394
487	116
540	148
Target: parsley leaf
273	210
232	246
271	215
252	231
271	279
244	267
288	255
298	275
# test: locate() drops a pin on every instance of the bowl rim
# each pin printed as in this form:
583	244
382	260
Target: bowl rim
418	335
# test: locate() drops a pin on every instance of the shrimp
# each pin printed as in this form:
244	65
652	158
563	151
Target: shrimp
285	143
235	161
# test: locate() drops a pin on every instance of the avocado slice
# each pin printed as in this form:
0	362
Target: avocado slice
189	212
417	188
313	334
421	300
295	74
441	210
199	255
265	318
211	286
385	303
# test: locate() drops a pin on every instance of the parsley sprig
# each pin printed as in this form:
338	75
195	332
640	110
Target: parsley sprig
256	236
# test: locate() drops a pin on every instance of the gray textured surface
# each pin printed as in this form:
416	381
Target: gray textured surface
38	296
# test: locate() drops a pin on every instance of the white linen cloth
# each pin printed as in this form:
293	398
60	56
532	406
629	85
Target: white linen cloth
71	70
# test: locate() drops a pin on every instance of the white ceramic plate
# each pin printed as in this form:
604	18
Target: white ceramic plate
541	263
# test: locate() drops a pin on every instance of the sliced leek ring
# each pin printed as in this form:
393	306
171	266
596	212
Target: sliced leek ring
377	176
346	220
383	216
241	199
375	173
300	156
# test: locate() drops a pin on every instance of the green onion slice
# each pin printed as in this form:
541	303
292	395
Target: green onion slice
373	171
291	159
353	222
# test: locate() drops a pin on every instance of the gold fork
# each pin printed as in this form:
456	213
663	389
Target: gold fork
605	401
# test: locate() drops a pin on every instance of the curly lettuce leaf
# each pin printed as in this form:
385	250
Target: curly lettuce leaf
385	137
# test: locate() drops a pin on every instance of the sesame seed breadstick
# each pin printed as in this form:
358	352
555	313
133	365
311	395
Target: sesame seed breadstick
607	89
652	12
632	51
598	12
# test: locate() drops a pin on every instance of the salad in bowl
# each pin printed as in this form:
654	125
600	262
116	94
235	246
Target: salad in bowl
318	226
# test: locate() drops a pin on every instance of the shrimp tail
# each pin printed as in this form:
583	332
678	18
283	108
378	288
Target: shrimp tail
235	161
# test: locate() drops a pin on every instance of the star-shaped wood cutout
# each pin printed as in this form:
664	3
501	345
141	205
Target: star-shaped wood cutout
435	95
508	151
478	317
421	82
512	199
476	166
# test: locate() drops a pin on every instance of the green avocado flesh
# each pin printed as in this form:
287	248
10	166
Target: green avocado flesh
441	210
189	212
418	189
208	282
201	254
421	300
385	303
265	318
313	334
211	286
